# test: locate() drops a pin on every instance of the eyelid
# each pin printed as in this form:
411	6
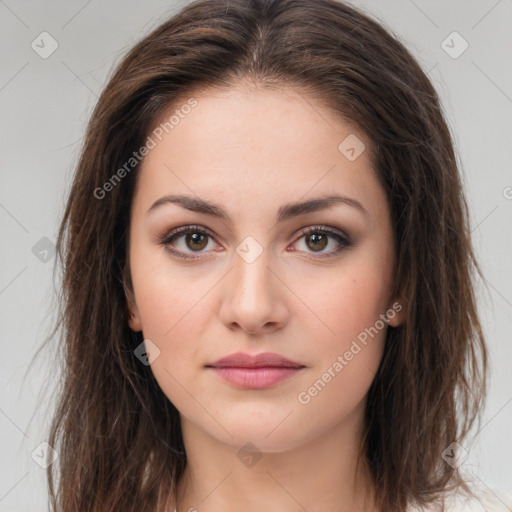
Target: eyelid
325	229
183	230
186	229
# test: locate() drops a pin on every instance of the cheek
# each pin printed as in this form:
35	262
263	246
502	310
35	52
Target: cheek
166	295
349	301
172	312
175	311
350	347
348	323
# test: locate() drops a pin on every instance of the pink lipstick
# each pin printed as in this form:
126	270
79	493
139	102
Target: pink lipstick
255	372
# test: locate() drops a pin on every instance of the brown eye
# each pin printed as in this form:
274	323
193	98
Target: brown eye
317	242
185	241
317	239
196	241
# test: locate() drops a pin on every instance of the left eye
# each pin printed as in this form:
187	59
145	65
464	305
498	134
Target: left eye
317	239
195	239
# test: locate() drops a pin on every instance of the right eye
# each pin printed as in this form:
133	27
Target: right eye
194	238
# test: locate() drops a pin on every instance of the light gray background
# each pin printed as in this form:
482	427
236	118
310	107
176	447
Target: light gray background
45	104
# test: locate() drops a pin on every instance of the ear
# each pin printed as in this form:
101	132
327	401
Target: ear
396	312
133	314
134	320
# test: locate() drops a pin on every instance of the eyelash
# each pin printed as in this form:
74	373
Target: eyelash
343	240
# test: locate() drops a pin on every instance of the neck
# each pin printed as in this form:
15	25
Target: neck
319	475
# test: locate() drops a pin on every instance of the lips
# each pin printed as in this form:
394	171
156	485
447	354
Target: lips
260	371
264	360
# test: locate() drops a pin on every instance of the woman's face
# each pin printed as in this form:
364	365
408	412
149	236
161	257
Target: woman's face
246	278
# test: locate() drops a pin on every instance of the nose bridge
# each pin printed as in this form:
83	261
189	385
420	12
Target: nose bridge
252	298
252	277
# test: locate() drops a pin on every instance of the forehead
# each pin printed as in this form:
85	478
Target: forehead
246	142
285	121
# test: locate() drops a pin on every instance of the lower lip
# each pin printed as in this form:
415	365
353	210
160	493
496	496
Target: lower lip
255	378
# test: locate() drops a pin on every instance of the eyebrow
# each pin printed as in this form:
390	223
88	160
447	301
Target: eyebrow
285	212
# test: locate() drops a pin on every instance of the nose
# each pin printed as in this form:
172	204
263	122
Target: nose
254	297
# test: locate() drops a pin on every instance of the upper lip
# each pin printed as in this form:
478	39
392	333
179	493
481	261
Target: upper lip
264	360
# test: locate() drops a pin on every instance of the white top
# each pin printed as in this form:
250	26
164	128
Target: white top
488	501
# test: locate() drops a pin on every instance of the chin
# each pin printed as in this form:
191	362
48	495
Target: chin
271	434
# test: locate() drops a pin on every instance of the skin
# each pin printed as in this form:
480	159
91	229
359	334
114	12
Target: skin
250	151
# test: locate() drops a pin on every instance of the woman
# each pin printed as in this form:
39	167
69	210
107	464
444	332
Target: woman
267	274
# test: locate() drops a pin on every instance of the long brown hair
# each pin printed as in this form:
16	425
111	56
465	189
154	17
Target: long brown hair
118	436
